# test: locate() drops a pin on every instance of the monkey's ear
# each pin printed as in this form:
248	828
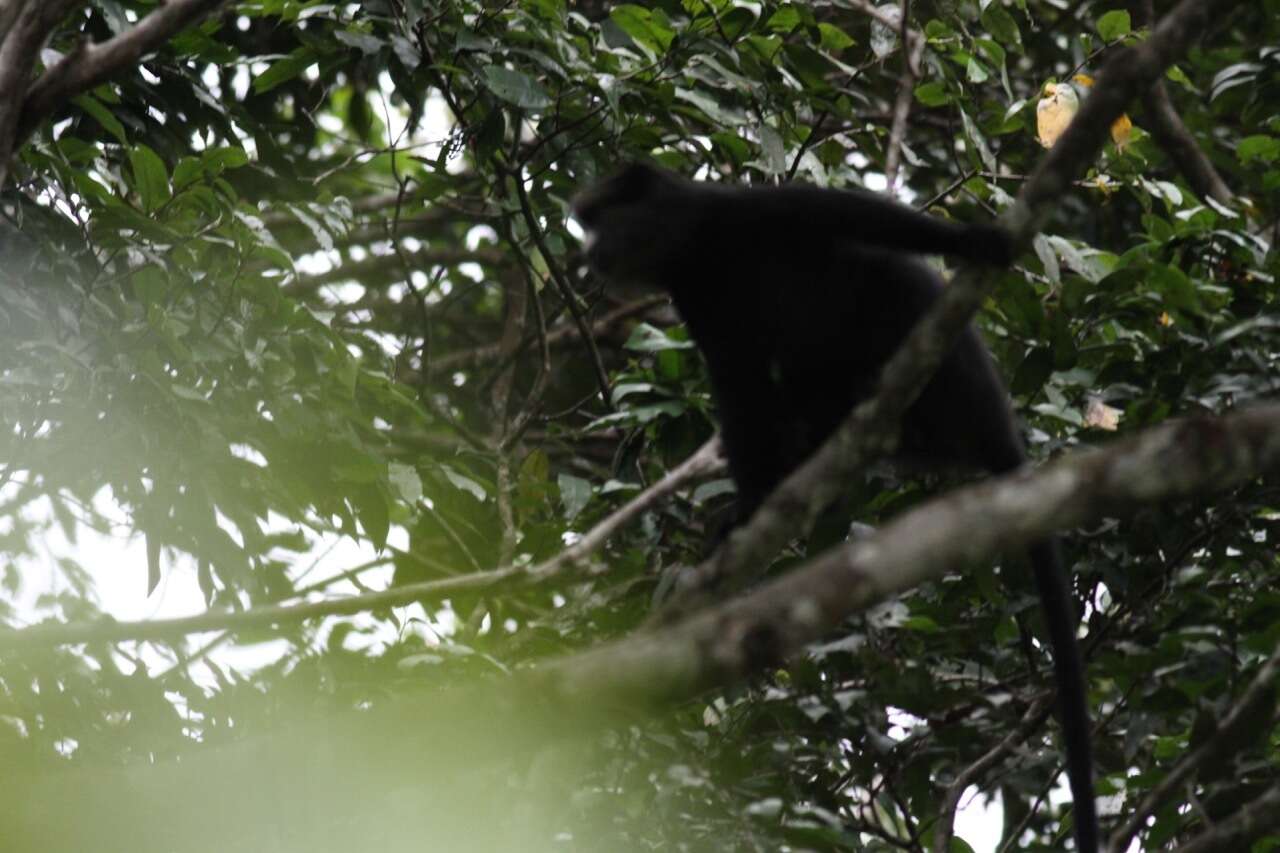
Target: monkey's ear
634	183
635	180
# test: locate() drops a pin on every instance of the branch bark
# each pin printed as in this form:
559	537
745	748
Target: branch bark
726	643
24	29
90	65
25	26
912	51
1172	135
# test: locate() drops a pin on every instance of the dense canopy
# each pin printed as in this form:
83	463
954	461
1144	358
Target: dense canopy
342	507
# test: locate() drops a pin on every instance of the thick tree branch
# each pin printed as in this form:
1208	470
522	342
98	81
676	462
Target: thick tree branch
871	430
745	635
724	644
25	26
86	67
1171	134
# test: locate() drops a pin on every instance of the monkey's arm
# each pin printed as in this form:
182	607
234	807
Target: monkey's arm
876	221
752	413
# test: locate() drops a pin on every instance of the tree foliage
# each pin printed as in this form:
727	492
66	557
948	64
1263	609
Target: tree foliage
303	275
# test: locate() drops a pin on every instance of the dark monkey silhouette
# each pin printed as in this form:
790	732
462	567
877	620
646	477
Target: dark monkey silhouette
797	296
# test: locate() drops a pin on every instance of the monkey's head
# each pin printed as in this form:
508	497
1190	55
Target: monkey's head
638	224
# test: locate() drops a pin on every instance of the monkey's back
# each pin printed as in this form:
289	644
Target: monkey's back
819	330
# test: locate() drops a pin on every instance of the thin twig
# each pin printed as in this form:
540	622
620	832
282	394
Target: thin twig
512	332
1031	720
567	293
913	50
704	462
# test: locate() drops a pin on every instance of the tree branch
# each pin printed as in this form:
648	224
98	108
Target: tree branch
25	26
1252	821
1171	134
706	461
723	644
561	280
912	52
86	67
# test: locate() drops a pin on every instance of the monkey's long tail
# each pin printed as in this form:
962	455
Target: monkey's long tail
1073	701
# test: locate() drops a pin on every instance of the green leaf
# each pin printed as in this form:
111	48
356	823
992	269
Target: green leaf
1114	25
1001	25
933	94
646	28
363	42
1263	148
977	142
921	623
284	70
1034	371
188	170
575	494
406	481
1177	75
464	483
1175	288
516	87
834	39
786	19
150	178
227	157
648	338
109	122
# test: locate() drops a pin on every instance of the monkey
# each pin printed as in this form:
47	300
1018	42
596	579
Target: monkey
797	296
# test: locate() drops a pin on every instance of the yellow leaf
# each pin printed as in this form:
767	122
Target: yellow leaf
1121	131
1121	128
1055	111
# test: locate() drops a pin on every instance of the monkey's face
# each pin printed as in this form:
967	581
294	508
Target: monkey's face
636	226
